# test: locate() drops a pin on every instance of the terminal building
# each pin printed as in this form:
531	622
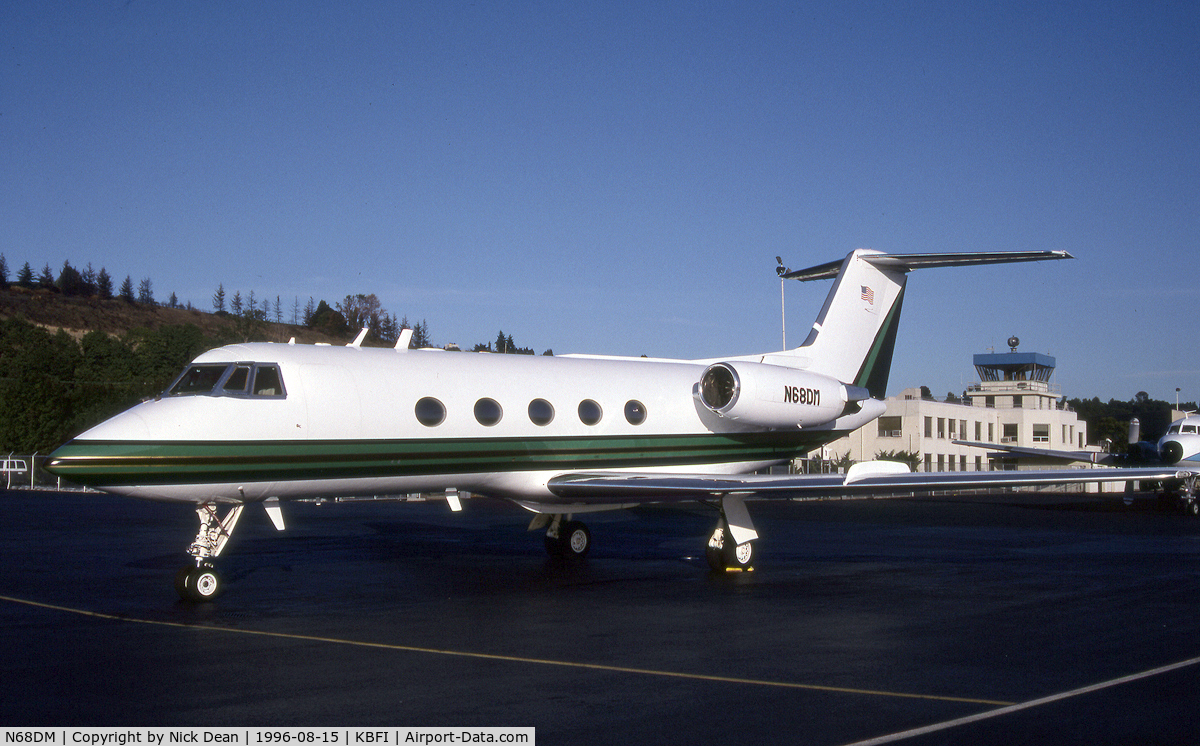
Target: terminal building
1013	403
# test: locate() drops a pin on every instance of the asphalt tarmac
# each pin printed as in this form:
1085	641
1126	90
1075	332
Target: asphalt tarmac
993	620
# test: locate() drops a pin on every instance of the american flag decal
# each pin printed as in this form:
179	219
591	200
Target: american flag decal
868	294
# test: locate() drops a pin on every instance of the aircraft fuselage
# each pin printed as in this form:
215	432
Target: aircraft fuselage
278	420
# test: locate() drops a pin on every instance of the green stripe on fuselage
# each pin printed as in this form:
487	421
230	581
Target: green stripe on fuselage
100	463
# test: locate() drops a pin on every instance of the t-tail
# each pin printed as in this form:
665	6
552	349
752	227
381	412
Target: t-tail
854	336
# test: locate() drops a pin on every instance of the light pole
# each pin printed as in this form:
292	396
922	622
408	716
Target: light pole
781	271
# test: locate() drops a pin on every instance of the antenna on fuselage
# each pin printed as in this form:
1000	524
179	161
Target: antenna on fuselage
405	338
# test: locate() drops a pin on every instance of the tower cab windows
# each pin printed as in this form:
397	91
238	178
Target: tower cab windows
259	380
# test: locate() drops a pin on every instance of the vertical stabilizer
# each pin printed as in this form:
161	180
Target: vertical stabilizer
854	336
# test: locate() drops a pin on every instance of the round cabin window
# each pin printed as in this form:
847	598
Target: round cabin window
541	412
590	412
635	412
488	412
430	412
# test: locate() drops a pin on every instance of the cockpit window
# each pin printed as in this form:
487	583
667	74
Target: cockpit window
1189	428
1173	428
267	381
197	379
235	379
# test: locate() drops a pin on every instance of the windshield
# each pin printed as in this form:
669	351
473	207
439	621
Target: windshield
197	379
230	379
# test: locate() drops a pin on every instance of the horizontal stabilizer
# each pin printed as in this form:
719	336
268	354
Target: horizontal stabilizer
907	262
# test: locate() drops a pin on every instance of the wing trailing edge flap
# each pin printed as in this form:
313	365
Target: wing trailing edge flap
866	478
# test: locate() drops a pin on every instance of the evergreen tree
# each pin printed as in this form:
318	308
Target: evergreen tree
25	276
104	285
126	292
46	278
329	321
219	300
89	280
420	336
278	311
235	304
70	282
173	302
146	292
3	272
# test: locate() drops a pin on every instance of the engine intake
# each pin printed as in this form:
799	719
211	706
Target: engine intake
771	395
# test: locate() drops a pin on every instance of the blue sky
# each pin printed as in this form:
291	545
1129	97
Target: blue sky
618	177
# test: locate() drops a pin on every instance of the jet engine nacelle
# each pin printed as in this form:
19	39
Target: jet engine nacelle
771	395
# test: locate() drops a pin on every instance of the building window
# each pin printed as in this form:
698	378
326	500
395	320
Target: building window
989	401
1010	433
1041	433
991	432
928	427
953	432
889	427
941	428
978	431
962	463
979	463
928	461
1018	401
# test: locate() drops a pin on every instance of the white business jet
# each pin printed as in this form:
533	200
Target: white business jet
1178	448
559	436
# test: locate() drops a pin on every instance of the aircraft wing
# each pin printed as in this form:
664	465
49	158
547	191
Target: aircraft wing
1085	456
659	487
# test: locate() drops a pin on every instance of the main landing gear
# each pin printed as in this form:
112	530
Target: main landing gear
567	538
724	553
730	547
201	582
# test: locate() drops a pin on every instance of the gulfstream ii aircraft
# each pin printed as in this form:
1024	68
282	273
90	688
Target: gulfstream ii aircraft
559	436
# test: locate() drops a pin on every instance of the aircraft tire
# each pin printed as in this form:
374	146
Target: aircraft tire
739	556
1192	507
576	540
722	554
198	584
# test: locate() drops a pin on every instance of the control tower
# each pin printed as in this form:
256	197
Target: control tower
1014	379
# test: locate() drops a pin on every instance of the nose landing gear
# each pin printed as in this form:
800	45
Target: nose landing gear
202	582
